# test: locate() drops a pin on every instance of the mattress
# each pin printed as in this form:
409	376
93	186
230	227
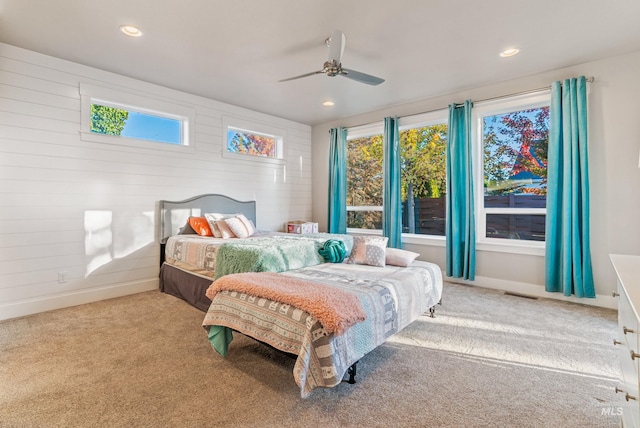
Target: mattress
206	258
265	251
193	253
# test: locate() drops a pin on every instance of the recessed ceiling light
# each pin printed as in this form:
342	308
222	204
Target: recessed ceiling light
328	103
131	30
509	52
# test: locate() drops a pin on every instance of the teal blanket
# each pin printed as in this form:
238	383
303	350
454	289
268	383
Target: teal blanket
274	254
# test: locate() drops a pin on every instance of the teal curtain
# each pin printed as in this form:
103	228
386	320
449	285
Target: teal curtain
568	253
337	219
392	200
460	223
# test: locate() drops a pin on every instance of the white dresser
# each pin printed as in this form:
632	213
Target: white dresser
628	341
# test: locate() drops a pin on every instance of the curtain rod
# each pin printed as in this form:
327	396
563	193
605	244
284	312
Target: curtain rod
530	91
590	79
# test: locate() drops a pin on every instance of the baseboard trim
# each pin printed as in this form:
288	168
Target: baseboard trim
535	290
73	298
80	297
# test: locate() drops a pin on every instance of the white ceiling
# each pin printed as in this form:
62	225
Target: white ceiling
235	51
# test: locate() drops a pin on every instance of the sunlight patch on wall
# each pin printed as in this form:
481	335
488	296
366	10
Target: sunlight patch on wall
98	241
179	218
133	231
112	236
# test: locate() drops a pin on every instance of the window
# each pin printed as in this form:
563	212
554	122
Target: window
248	140
364	180
123	118
423	145
423	149
513	136
251	143
128	123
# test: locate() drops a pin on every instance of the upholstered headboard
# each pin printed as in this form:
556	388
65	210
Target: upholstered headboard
174	214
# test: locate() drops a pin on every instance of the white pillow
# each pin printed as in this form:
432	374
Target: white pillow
240	226
212	218
368	250
224	229
398	257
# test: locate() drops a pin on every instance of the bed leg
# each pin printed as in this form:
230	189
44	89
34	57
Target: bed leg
352	373
432	309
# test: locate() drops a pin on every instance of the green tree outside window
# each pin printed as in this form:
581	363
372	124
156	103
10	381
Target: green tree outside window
108	120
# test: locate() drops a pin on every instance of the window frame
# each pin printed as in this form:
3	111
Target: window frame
253	127
420	120
489	108
92	94
363	131
435	117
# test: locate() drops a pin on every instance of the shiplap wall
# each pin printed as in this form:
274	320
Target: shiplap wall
88	210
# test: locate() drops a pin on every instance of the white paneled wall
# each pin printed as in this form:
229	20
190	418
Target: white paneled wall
77	218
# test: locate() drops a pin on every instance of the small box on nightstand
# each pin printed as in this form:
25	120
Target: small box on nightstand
302	227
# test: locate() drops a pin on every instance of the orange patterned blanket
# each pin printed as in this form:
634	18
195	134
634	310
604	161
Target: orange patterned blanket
335	309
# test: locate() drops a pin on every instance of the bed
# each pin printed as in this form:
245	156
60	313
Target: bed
190	262
387	297
392	298
186	282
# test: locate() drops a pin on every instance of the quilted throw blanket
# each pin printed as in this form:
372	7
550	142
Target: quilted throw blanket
273	254
392	297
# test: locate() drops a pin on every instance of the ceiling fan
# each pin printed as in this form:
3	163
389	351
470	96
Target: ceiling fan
333	66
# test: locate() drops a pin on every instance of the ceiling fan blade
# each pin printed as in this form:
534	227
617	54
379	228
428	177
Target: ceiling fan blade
336	46
302	75
361	77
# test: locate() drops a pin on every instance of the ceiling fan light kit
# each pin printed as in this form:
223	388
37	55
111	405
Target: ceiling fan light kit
333	66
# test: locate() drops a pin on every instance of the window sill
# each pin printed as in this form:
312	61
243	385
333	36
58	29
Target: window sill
252	158
407	238
430	240
512	247
495	245
134	142
373	232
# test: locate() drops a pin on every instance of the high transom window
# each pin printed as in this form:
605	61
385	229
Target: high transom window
252	143
245	139
113	116
110	119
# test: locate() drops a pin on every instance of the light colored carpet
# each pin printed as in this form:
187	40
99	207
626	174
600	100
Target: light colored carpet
486	360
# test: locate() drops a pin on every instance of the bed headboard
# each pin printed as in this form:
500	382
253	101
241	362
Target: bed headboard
174	214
